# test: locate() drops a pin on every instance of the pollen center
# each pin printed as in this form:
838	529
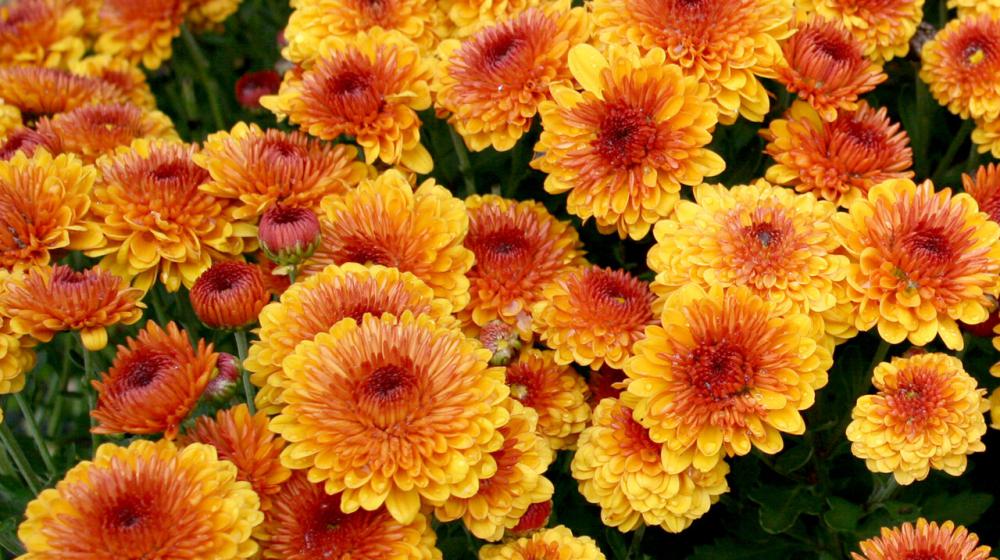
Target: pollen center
126	516
503	245
324	533
498	51
766	234
915	399
168	172
144	369
930	246
719	371
626	136
388	384
832	46
350	83
364	252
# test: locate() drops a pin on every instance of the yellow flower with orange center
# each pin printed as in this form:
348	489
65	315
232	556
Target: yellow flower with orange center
124	75
884	26
922	260
369	87
726	371
466	17
261	168
146	500
928	413
393	411
986	136
971	7
557	543
44	92
492	83
96	130
556	392
157	220
625	145
386	221
924	540
620	469
725	44
43	32
959	65
140	30
839	161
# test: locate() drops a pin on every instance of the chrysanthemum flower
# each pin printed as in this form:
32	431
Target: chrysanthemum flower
45	301
10	118
386	221
127	77
557	393
394	412
153	384
230	295
518	482
928	413
27	140
923	260
593	315
157	221
244	440
970	7
466	17
519	247
307	523
623	471
260	168
140	30
369	87
841	160
42	32
884	26
960	66
96	130
319	302
726	44
45	92
493	82
625	145
557	542
208	15
147	500
16	359
827	68
781	245
984	188
924	540
727	370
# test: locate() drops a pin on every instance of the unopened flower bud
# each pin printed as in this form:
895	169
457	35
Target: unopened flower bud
501	339
222	387
288	234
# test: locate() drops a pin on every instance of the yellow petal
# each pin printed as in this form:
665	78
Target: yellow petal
586	63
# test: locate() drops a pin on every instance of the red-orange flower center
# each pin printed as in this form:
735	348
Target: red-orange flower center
143	368
350	85
25	140
625	136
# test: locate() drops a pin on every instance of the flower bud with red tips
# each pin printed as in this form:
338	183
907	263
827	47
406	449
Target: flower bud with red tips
254	85
222	387
288	235
229	295
501	339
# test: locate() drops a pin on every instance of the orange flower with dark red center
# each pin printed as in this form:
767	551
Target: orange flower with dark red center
307	523
287	234
153	384
96	130
45	92
493	82
46	301
122	74
984	188
27	140
884	26
924	541
259	168
593	315
827	68
519	247
369	87
960	64
244	440
43	32
557	393
229	295
140	30
841	160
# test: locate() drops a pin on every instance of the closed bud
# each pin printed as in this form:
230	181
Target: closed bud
288	234
222	387
501	339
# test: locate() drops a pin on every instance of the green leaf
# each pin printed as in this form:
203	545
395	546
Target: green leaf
617	543
843	515
780	507
964	509
794	458
8	537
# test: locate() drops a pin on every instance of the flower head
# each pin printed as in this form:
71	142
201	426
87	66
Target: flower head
625	145
27	140
984	188
254	85
557	542
42	32
922	260
16	360
95	130
970	7
959	66
45	92
884	26
557	393
502	340
128	78
288	234
924	540
146	500
928	413
230	295
140	30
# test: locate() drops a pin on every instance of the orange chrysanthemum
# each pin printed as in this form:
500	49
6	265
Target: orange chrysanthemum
153	384
884	26
619	468
43	202
466	17
157	221
960	64
556	543
726	44
244	440
557	393
827	68
147	500
307	523
261	168
493	82
127	77
970	7
924	540
43	32
519	247
625	145
984	188
593	315
369	87
928	413
394	412
923	260
319	302
725	371
46	92
386	221
140	30
27	140
96	130
46	301
841	160
230	295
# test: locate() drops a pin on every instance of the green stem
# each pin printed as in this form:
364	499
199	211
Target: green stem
241	351
88	391
293	270
14	450
58	388
6	467
36	434
880	353
464	165
949	155
518	166
202	67
157	303
635	547
883	488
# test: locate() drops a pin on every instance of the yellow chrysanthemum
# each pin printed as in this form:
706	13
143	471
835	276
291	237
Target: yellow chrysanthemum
147	500
209	15
884	26
928	413
625	145
121	73
726	44
623	471
557	543
42	32
986	136
922	261
727	370
45	92
466	17
969	7
392	411
140	30
16	355
556	392
960	65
